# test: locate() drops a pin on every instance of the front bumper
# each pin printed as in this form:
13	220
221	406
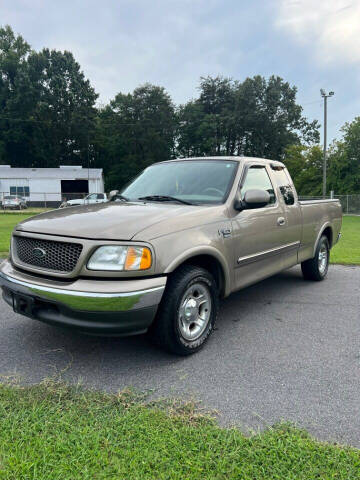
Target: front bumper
121	307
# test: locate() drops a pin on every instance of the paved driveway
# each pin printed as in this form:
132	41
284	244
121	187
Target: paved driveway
284	349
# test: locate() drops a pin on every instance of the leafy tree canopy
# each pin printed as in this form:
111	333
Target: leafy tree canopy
47	107
256	117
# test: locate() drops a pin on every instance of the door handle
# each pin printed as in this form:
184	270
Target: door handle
281	221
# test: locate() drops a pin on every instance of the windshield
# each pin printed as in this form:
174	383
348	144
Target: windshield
198	181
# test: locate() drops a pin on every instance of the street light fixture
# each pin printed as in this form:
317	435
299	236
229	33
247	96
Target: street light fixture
325	97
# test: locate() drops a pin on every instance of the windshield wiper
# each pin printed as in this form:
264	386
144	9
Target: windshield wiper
164	198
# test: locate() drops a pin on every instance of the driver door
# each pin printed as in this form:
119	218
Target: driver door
90	199
258	232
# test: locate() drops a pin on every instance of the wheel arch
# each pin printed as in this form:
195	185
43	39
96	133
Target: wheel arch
210	259
326	230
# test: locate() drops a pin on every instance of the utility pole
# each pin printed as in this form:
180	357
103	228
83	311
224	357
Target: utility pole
325	97
88	161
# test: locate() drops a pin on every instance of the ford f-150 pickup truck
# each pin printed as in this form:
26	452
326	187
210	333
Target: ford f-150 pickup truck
162	252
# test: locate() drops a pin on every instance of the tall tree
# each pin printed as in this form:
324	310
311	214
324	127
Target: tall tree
137	130
344	160
256	117
65	114
47	107
17	96
305	165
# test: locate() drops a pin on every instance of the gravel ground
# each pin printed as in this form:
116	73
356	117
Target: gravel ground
284	349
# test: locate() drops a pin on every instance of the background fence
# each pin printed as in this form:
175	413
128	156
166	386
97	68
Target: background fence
350	203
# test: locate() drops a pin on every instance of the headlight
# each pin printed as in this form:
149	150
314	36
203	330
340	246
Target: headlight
112	257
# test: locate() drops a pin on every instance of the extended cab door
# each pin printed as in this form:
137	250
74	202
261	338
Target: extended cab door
292	213
259	234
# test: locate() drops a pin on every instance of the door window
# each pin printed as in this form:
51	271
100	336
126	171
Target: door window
258	178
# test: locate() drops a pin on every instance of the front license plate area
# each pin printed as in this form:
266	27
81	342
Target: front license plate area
23	304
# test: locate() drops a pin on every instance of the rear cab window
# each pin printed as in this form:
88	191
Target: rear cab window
284	184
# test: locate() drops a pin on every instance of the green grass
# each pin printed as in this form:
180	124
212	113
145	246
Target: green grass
54	432
28	211
347	251
7	223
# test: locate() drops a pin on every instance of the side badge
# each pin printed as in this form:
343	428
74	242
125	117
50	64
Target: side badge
225	232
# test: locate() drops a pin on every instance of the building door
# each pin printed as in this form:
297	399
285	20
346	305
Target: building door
71	189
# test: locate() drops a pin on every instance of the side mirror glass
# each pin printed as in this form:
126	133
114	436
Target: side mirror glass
113	194
256	198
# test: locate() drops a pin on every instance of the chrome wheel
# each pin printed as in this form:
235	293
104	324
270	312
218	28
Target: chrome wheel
323	259
194	312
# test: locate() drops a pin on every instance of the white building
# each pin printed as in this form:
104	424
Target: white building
50	185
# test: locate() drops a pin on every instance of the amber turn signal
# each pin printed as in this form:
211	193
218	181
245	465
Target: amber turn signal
138	258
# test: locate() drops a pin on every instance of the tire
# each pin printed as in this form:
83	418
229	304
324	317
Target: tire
316	268
187	312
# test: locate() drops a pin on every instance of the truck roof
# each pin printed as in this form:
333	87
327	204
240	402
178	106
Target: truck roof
265	161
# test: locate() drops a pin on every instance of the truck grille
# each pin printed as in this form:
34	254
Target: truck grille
47	254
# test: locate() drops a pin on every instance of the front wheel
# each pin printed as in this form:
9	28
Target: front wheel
316	268
188	311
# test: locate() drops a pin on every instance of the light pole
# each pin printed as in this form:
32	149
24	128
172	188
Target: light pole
325	97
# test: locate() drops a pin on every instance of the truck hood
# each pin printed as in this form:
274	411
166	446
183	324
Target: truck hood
107	221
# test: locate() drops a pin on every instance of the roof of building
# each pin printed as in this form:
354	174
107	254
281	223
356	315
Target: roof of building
69	172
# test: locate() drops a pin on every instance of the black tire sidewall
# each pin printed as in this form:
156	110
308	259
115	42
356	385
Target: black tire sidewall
165	330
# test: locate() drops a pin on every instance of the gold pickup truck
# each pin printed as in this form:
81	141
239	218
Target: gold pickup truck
161	253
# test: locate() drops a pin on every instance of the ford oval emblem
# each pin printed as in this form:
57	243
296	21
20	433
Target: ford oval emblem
39	253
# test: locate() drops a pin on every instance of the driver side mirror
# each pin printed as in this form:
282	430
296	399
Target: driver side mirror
113	194
253	198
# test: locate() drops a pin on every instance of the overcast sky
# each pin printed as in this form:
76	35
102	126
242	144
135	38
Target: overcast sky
122	44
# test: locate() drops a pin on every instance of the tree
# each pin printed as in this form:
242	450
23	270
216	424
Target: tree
47	107
65	113
134	131
256	117
305	165
17	97
344	160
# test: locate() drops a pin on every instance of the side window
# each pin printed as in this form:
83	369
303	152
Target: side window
284	185
257	177
100	196
20	191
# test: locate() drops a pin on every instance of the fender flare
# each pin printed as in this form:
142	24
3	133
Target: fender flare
321	231
203	250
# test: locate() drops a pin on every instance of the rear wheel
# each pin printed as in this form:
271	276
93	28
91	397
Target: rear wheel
187	312
316	268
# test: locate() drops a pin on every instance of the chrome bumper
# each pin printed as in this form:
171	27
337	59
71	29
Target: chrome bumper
125	306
